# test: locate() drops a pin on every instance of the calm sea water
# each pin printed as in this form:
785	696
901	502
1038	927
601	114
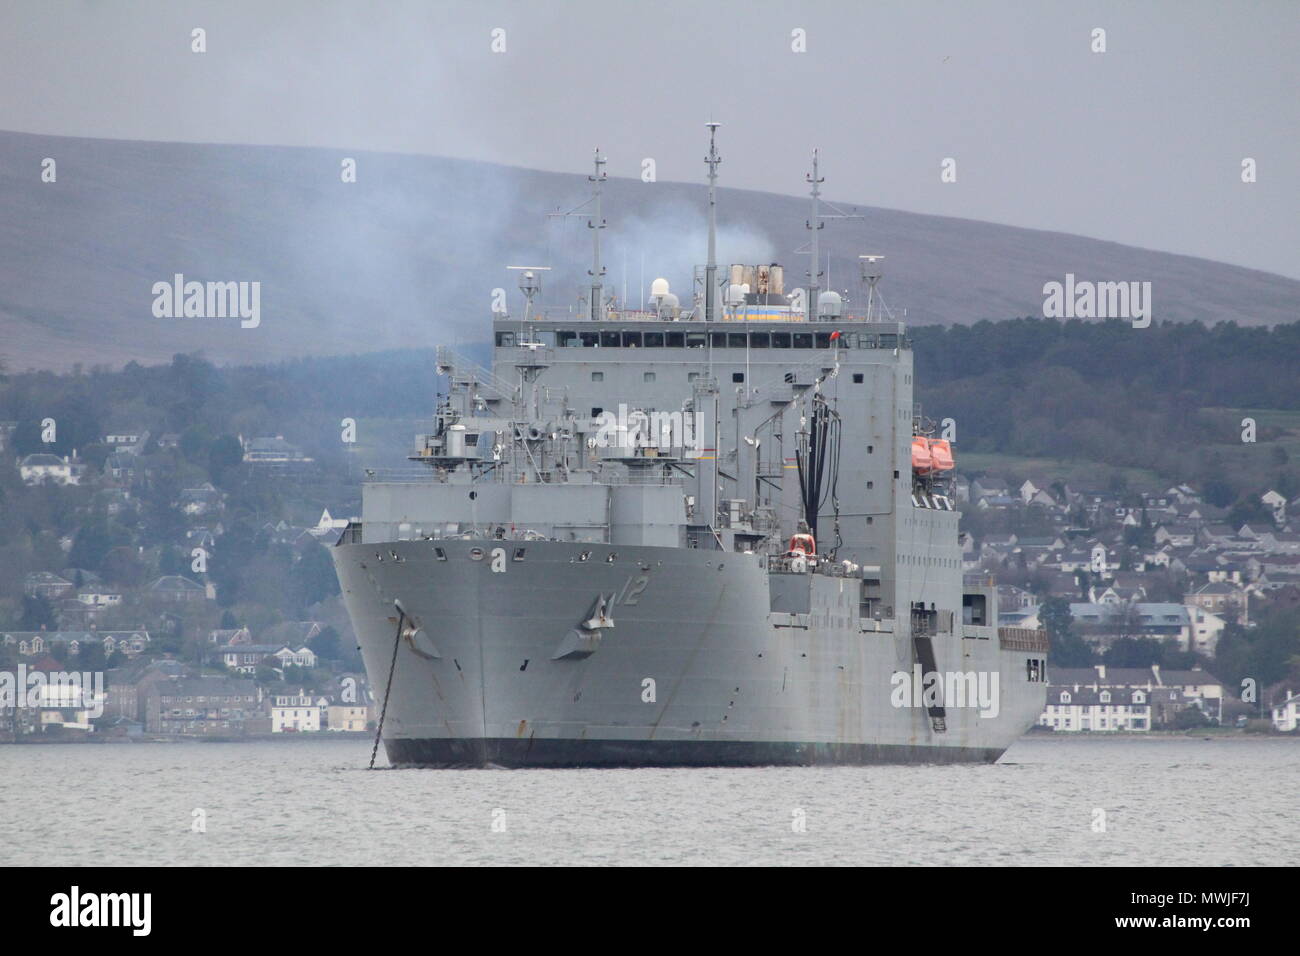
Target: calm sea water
1167	801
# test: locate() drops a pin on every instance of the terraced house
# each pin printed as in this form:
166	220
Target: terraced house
201	706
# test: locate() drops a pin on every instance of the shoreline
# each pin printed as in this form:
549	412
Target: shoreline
98	740
353	735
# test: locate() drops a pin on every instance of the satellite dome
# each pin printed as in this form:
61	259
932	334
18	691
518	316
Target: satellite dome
659	287
829	303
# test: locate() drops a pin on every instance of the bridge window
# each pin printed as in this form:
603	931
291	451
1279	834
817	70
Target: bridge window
696	340
654	340
823	340
589	339
759	340
566	339
780	340
736	340
718	340
631	340
974	609
610	340
803	340
505	340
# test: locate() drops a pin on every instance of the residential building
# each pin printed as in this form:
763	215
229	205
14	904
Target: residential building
1177	689
1077	708
347	717
47	584
296	713
177	589
1286	714
202	706
49	469
274	451
1229	602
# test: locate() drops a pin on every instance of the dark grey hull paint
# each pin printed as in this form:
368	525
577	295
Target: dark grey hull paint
514	754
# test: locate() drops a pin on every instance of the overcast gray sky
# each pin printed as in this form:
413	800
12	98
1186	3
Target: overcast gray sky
1142	144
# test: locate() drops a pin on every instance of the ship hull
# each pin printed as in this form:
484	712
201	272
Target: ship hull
569	753
560	655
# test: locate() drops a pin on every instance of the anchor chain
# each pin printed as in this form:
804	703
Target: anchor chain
392	667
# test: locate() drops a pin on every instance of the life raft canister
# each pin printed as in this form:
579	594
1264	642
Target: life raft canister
803	544
922	461
941	455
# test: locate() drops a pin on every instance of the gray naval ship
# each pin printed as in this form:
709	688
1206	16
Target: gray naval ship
715	534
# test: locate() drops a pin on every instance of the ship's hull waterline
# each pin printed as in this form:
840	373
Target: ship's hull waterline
552	654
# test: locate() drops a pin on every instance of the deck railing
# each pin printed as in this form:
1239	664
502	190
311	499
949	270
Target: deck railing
1022	639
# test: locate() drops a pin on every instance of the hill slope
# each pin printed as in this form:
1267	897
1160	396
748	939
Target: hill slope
408	255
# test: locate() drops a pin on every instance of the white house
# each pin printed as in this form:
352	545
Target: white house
328	523
296	713
1275	503
1076	708
302	657
1286	716
40	468
99	597
1204	631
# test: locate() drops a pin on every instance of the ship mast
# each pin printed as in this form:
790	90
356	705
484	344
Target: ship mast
815	225
711	267
596	224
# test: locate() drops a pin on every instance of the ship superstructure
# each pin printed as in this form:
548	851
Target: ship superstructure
719	533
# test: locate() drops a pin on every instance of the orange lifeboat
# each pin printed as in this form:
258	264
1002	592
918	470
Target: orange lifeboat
803	544
922	460
941	455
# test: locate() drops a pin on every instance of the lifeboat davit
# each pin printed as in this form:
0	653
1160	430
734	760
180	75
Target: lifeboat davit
803	544
941	455
922	460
